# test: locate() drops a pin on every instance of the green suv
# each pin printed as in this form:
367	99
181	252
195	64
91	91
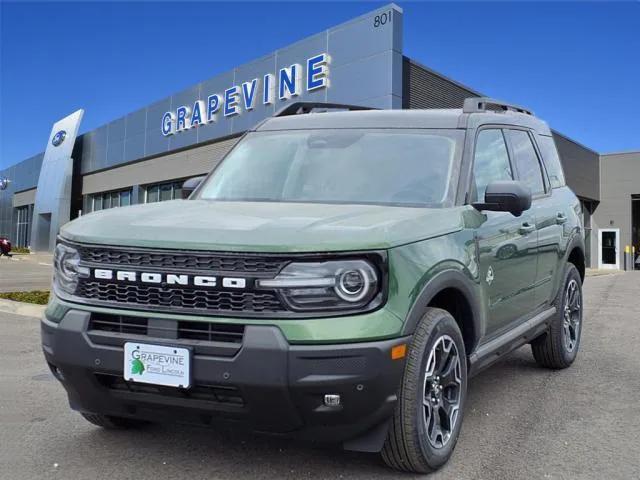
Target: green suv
338	277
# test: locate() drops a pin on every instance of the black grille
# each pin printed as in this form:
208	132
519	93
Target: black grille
169	298
211	332
183	260
202	331
214	393
118	324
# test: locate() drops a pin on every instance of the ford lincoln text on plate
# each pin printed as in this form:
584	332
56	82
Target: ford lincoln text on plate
338	277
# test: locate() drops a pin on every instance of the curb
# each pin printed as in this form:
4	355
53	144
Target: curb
21	308
591	273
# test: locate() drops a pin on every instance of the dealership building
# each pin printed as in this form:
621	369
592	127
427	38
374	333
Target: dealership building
146	155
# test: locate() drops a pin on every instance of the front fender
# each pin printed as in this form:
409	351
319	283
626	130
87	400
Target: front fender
422	270
457	280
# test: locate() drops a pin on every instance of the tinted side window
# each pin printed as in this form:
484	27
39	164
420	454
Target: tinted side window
551	161
491	160
526	161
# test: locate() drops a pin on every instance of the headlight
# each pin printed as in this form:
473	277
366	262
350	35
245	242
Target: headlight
332	285
67	269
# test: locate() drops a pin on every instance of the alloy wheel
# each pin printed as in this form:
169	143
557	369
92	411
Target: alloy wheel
572	315
442	391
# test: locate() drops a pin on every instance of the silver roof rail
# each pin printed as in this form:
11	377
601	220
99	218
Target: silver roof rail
479	104
299	108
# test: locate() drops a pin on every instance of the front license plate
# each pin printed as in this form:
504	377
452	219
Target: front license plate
157	364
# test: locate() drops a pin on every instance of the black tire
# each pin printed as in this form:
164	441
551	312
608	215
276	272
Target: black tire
408	447
113	423
551	349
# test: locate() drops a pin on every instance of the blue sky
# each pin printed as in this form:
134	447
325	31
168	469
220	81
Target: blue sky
576	64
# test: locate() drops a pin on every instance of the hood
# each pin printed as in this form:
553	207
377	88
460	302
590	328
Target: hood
261	226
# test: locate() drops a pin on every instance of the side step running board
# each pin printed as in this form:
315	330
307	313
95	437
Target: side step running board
491	351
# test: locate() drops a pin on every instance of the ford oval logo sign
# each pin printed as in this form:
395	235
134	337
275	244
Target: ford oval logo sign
58	138
4	183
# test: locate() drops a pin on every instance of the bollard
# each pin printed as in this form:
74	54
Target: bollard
626	256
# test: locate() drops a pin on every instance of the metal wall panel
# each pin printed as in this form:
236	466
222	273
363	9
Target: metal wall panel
22	176
424	88
136	122
619	180
99	141
581	167
134	147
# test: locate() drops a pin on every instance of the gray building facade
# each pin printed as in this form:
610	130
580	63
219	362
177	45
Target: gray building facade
617	218
146	155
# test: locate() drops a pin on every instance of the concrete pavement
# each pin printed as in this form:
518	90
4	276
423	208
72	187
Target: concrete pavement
25	272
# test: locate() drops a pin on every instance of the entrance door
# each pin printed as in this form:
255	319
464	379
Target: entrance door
608	248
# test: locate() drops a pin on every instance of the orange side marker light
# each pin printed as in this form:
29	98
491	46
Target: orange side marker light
399	351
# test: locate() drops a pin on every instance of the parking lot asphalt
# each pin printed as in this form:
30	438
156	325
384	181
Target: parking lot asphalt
521	421
25	272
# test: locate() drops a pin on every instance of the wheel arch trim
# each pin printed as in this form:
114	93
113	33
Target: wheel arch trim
447	279
576	241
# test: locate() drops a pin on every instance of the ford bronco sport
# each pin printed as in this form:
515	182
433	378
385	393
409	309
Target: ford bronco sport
338	277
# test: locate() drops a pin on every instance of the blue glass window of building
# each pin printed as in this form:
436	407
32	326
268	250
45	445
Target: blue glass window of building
23	225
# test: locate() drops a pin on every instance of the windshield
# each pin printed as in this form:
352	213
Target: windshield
390	167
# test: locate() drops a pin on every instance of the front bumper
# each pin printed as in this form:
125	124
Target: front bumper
264	382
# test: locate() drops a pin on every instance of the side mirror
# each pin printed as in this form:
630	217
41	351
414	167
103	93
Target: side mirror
190	185
506	196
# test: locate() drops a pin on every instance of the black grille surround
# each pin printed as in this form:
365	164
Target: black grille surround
247	302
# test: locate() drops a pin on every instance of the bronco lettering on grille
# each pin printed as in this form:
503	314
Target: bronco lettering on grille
169	278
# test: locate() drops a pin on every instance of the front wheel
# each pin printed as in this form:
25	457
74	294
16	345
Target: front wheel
426	424
559	346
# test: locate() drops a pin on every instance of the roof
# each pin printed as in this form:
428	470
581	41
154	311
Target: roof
427	118
366	119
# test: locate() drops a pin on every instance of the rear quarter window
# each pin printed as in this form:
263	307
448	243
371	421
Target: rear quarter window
551	161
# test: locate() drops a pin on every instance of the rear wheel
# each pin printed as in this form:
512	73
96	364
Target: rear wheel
113	423
428	416
559	346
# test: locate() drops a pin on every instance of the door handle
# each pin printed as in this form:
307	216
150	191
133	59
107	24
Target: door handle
526	228
561	218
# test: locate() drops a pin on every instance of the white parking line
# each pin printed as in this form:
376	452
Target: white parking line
45	264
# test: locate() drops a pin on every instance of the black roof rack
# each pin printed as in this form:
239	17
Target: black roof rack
479	104
299	108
